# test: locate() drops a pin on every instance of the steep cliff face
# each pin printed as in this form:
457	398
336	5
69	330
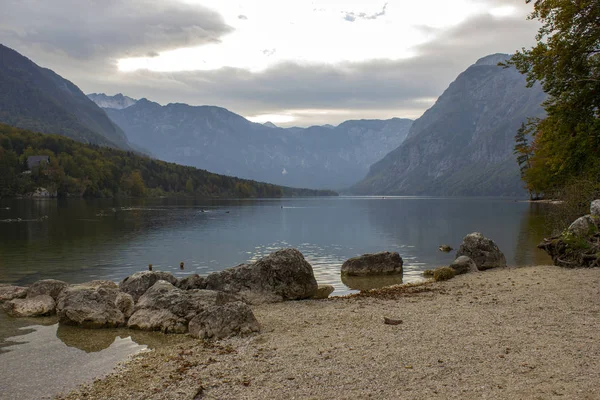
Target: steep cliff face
463	145
38	99
218	140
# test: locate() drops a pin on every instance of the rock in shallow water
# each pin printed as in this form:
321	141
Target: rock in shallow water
50	287
482	250
90	306
220	322
282	275
31	307
373	264
137	284
8	292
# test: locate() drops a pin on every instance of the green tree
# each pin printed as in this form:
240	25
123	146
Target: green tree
566	61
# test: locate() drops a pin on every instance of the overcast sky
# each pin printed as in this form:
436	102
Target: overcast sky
294	62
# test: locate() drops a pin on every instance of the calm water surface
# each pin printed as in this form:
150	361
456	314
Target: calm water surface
109	239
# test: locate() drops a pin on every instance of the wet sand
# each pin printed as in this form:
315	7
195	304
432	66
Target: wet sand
518	333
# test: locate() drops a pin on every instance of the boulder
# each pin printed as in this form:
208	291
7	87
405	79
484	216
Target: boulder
137	284
282	275
483	251
191	282
50	287
445	248
31	306
582	226
464	264
8	292
219	322
373	264
169	309
323	292
125	304
90	306
595	208
157	320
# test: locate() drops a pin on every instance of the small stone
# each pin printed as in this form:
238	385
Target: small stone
595	208
464	264
323	292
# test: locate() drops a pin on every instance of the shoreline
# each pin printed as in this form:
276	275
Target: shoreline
517	332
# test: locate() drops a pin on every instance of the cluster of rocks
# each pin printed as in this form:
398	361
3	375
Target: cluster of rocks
216	306
579	244
476	253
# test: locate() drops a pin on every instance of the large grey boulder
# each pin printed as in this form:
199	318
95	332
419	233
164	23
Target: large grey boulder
582	226
595	208
219	322
482	250
31	306
8	292
125	304
91	305
157	320
50	287
464	264
282	275
384	263
191	282
137	284
169	309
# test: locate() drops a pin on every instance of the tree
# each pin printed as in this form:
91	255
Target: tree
566	61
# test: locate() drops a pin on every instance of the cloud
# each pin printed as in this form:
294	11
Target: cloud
351	17
87	29
242	17
315	93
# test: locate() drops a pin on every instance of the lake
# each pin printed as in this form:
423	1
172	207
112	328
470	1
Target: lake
80	240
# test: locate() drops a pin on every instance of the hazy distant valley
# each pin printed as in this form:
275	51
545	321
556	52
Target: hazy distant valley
221	141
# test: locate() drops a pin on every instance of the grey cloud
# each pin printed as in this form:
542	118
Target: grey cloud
269	52
241	16
86	29
351	17
372	89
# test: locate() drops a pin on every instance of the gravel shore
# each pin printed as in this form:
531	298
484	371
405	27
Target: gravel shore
512	333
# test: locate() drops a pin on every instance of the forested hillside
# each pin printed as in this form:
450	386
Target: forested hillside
77	169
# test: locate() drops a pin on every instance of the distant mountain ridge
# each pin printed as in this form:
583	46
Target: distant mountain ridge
463	145
38	99
117	101
221	141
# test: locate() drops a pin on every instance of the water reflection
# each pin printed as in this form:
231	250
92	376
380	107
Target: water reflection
371	282
110	239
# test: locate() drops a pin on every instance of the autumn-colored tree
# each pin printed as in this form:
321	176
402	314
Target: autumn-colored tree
566	60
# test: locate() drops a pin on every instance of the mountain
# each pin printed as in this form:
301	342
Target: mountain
117	101
115	172
38	99
463	145
269	124
221	141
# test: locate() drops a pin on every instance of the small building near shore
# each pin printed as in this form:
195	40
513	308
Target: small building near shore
36	161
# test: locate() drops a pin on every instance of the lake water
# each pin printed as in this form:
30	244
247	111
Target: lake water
76	240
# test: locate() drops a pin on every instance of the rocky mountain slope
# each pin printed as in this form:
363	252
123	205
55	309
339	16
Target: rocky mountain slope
463	145
38	99
221	141
117	101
